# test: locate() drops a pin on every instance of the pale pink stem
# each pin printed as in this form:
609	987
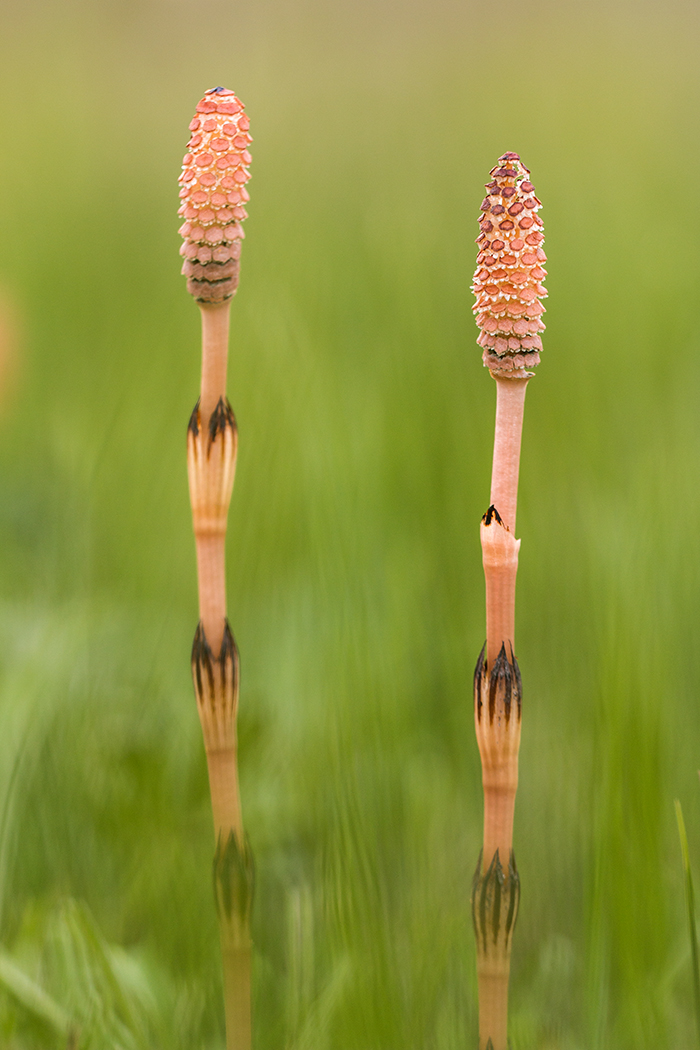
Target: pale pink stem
498	727
493	1007
215	326
500	787
211	580
510	402
211	548
225	792
499	550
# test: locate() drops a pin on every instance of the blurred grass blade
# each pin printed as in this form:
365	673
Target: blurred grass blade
32	997
108	999
690	902
316	1034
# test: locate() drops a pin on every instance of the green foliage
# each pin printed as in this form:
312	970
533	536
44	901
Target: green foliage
690	904
84	994
355	583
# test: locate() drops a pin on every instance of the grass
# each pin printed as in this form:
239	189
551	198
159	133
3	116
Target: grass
354	576
690	904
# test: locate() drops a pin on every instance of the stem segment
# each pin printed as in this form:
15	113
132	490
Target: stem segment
497	714
215	328
510	404
211	457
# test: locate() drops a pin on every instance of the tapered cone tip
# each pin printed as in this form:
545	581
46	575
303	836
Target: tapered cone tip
509	272
213	196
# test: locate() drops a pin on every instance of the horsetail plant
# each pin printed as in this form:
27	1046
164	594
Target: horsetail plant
213	193
508	289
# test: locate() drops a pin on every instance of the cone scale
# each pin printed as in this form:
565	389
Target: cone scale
508	289
213	196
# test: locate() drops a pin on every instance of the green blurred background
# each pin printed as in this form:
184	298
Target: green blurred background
355	581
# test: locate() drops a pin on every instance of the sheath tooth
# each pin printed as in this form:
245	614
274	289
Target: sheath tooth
211	467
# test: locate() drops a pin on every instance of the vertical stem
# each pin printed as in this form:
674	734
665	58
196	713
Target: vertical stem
211	559
497	712
510	403
212	445
507	286
215	328
211	534
237	966
500	783
690	907
222	766
499	550
493	1008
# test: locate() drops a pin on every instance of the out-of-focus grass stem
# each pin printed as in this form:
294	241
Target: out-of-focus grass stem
690	907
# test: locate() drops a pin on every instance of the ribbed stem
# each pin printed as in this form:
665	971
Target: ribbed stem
510	403
211	582
233	890
215	329
237	968
212	446
495	902
497	712
499	550
500	786
493	1006
222	765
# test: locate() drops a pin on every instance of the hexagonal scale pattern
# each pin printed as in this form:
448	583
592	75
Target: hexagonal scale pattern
509	272
213	195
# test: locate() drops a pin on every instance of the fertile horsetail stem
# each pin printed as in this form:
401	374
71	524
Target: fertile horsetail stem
508	290
214	174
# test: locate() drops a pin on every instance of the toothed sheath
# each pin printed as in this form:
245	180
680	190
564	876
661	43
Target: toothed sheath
213	193
508	290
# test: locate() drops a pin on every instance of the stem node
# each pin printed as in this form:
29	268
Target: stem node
216	681
495	901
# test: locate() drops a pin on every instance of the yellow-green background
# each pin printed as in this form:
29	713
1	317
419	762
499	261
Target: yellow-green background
355	584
